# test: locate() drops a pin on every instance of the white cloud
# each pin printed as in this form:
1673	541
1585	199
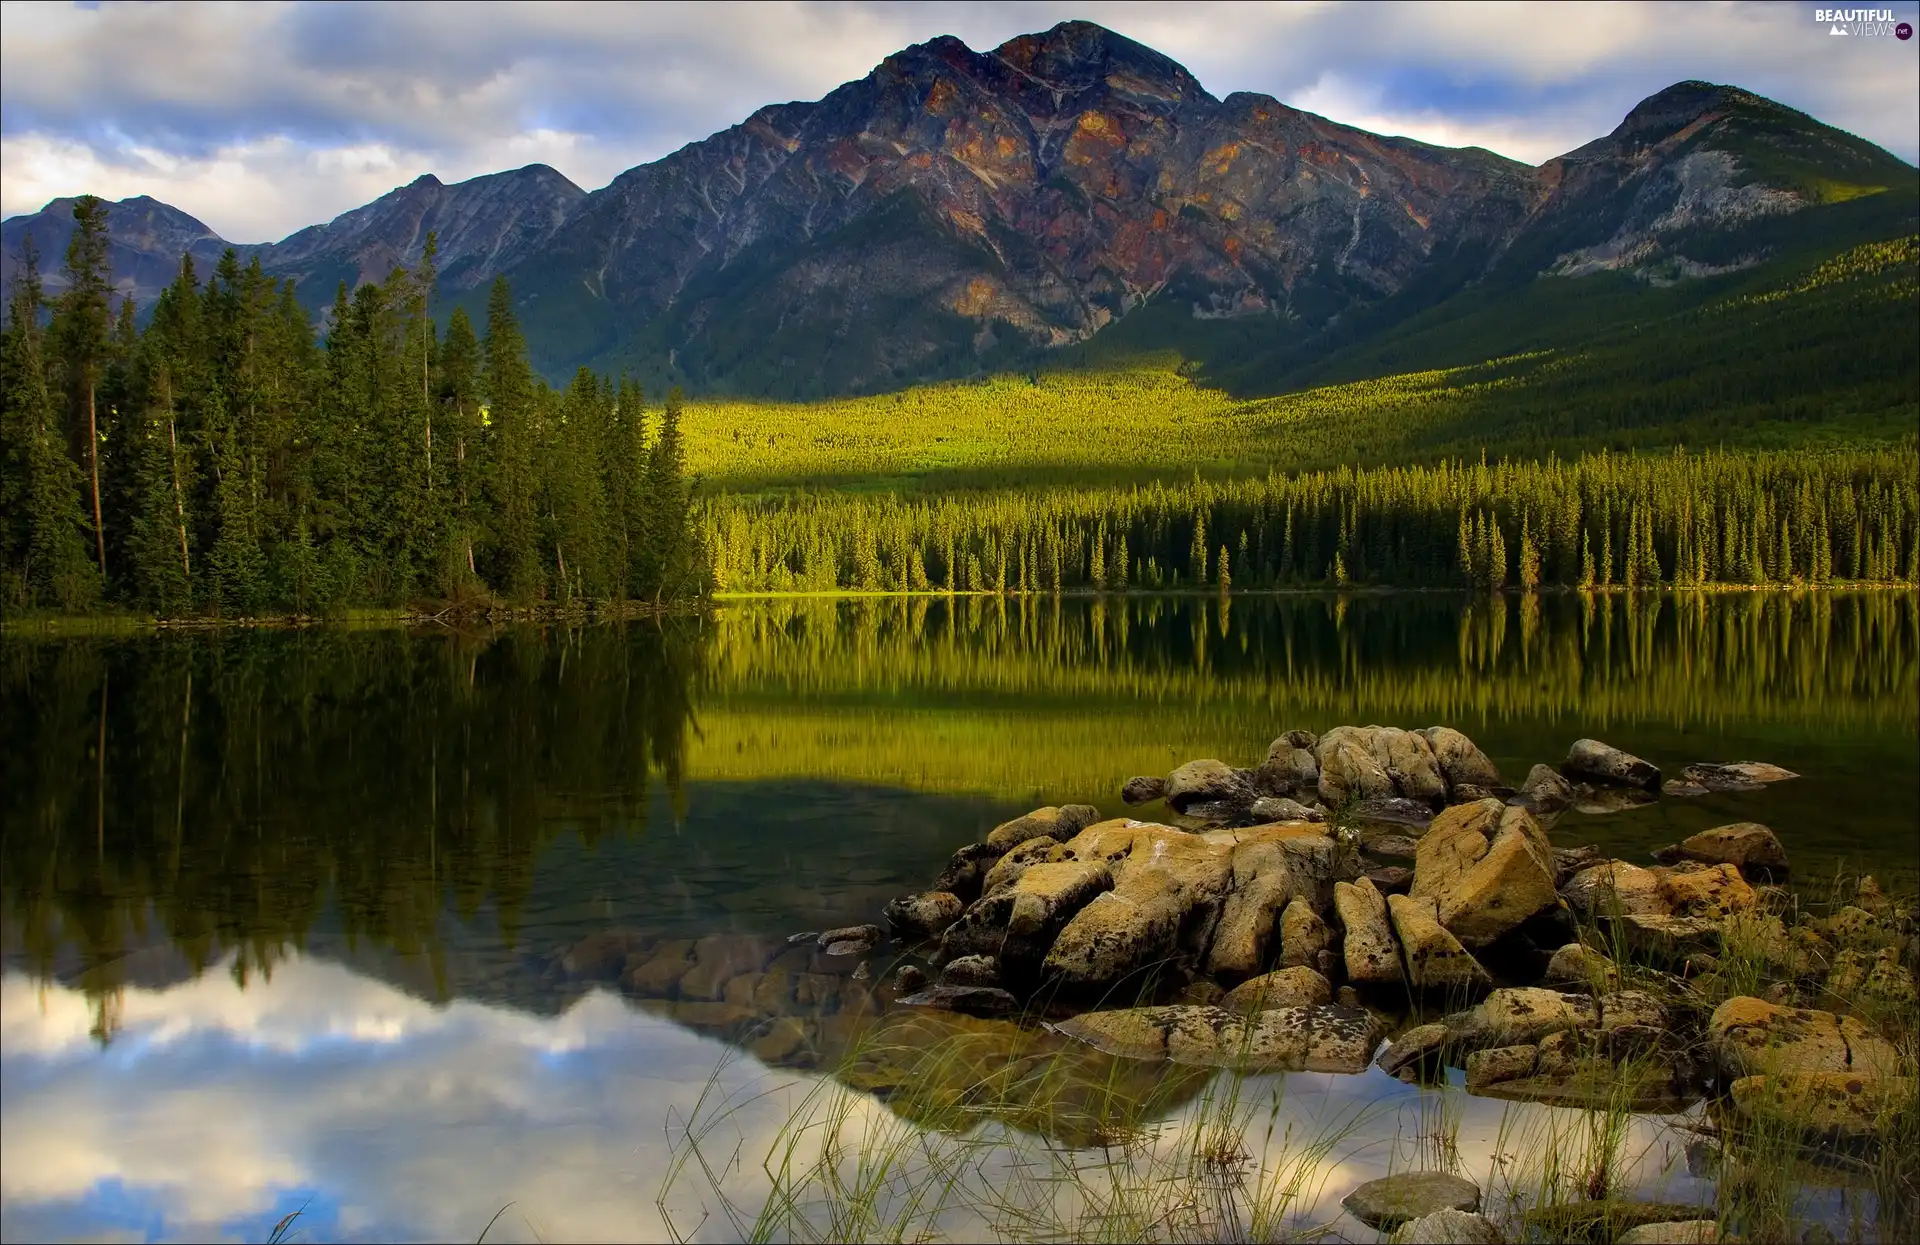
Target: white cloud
263	118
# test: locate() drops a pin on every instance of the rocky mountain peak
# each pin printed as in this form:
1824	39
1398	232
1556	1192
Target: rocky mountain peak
1079	55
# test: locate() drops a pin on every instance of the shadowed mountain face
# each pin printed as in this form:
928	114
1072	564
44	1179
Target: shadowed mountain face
146	240
956	211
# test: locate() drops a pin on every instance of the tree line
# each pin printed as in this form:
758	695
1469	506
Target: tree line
228	459
1599	521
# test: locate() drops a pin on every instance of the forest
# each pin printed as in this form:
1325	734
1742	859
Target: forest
227	460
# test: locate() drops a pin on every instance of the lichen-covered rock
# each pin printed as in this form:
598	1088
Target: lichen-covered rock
1286	987
1317	1039
966	871
1408	760
1591	759
1056	823
1753	1037
1516	1015
1460	760
1289	767
1435	960
1279	808
1422	1044
1039	850
1348	770
1714	891
1303	935
1164	881
1489	868
925	915
1578	965
1206	781
1017	923
1616	888
1669	938
1447	1227
1836	1105
1746	845
1263	884
1858	929
1143	789
1672	1232
1371	954
971	1000
1632	1009
1500	1063
1393	1200
971	970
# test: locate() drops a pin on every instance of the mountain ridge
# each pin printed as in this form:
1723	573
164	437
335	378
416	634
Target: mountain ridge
954	211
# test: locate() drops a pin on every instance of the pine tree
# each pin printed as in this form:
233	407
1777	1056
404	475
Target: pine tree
81	326
510	477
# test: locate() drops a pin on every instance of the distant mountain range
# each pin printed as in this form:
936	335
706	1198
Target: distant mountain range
956	211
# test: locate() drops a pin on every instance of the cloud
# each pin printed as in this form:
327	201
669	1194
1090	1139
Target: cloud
263	118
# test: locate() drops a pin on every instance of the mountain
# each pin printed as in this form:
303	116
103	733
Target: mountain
484	225
146	239
1073	194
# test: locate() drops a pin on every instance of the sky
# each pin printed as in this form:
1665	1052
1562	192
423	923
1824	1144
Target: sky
262	118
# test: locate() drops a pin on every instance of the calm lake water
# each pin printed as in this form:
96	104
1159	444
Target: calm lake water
282	913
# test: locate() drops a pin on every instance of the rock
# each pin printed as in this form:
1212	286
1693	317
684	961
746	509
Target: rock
1393	1200
1871	898
1018	922
864	972
971	970
925	915
1682	789
907	979
1263	884
1270	808
1303	935
1391	880
1746	845
1616	888
1602	801
1666	938
1578	965
1391	847
1717	891
603	955
1672	1232
1840	1106
1488	867
1202	992
1346	996
1632	1009
1515	1015
1447	1227
1286	987
1058	824
1499	1063
1858	929
1407	758
1371	956
1143	789
1752	1037
1545	791
1017	860
1169	889
1435	960
1605	1219
865	937
1888	981
1582	1069
1315	1039
1735	775
659	975
1289	767
1423	1044
1461	762
719	958
781	1039
1348	770
966	870
1207	780
1570	861
972	1000
1589	758
1467	793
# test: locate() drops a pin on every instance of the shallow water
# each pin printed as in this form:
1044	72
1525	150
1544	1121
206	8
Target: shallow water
288	939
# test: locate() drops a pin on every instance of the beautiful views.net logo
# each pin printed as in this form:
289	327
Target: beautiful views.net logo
1866	23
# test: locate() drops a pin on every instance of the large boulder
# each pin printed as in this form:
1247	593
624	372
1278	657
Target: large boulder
1599	762
1488	867
1322	1038
1616	888
1056	823
1263	884
1393	1200
1844	1106
1371	954
1713	892
1408	760
1019	922
925	915
1435	960
1168	890
1746	845
1460	759
1286	987
1207	781
1753	1037
1348	770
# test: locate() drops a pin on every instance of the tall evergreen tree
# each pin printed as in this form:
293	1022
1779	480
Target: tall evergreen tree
82	325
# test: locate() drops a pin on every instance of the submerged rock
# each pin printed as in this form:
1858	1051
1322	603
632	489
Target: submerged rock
1393	1200
1603	801
1591	759
972	1000
1322	1038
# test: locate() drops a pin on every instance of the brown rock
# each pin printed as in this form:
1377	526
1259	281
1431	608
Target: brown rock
1348	770
1589	758
1391	879
1142	789
1717	891
1018	922
1752	1037
1460	759
1516	1015
1205	782
1746	845
1372	957
1435	960
1407	758
1287	987
1422	1044
1577	965
1617	888
1303	935
1059	824
1488	866
1499	1063
1006	871
1836	1105
925	915
660	973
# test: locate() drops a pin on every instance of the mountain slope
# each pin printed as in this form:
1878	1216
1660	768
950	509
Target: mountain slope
146	239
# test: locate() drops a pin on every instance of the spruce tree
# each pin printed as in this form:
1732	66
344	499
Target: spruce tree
82	324
508	383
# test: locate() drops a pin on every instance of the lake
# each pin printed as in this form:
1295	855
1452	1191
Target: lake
294	919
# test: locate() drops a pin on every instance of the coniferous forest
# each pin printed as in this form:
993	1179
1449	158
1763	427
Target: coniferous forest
228	459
